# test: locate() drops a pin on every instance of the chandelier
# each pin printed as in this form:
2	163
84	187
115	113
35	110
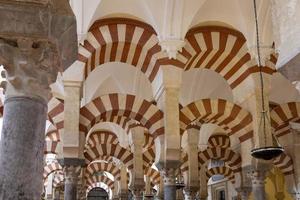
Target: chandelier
264	151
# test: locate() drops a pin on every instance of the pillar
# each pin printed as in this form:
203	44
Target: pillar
49	188
168	149
57	194
203	191
191	148
148	189
123	191
294	188
72	169
137	183
31	65
258	184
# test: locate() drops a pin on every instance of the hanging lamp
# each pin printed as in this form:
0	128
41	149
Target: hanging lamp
265	152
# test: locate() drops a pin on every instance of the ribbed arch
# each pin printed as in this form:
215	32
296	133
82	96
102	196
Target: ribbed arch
232	118
56	113
123	40
285	163
101	137
232	158
50	168
128	106
103	166
225	171
282	115
222	50
153	174
219	140
112	150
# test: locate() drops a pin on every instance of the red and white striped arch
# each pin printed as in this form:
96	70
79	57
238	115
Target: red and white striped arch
231	117
56	113
149	157
103	166
97	179
50	168
153	174
282	115
52	134
50	147
285	163
219	140
225	171
99	185
231	158
96	152
123	40
222	50
101	137
58	179
128	106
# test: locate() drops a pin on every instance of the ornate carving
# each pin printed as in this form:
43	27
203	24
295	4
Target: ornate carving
169	176
71	174
30	67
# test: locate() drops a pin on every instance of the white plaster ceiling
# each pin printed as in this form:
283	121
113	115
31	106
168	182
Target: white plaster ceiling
201	84
117	78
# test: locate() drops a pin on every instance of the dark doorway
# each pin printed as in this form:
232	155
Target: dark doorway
97	194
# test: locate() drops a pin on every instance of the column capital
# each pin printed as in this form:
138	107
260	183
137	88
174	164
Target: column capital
172	46
168	175
31	66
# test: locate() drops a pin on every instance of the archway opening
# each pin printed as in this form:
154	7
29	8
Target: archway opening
98	194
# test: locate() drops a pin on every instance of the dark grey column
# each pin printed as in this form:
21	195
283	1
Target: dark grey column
72	169
21	148
169	184
32	54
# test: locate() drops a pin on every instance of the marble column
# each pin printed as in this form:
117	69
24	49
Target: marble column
258	184
31	65
72	168
136	142
244	194
169	184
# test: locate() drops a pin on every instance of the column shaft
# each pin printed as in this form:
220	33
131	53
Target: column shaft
258	185
21	149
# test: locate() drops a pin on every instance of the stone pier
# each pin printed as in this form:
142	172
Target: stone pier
32	55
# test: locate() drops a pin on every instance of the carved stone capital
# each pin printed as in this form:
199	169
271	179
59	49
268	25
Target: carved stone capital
72	174
190	193
168	175
30	66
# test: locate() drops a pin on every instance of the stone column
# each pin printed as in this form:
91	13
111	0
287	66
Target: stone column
160	192
168	149
49	188
32	54
203	191
244	193
123	191
169	184
72	169
57	194
148	189
137	183
258	184
191	148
